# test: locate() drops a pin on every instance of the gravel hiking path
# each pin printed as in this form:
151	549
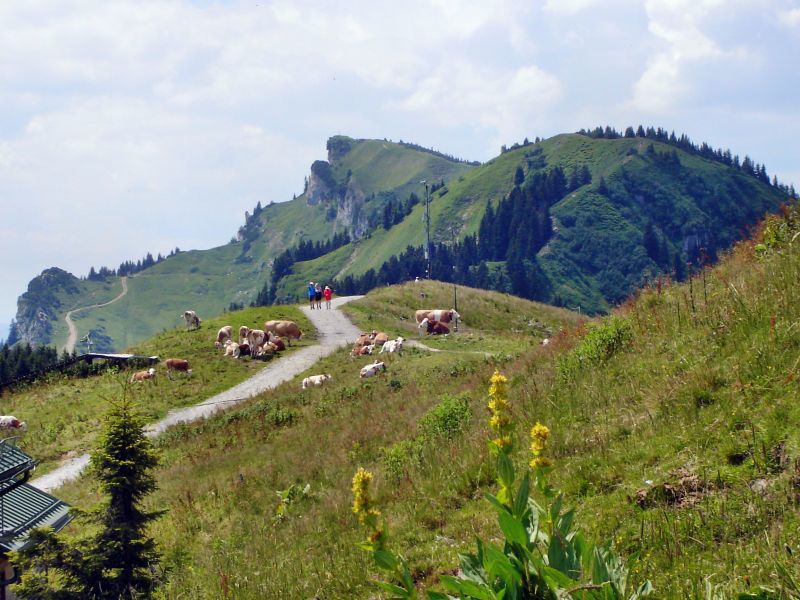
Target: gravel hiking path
334	330
72	338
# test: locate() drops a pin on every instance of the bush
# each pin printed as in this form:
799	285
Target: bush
446	419
601	343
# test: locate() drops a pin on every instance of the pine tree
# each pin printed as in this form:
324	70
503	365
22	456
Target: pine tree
118	562
124	462
519	176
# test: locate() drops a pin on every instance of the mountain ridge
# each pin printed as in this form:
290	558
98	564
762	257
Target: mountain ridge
370	190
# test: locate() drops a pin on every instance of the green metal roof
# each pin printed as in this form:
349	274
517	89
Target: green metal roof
24	507
13	461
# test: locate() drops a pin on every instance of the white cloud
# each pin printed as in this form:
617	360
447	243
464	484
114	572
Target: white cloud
678	25
790	17
460	95
567	7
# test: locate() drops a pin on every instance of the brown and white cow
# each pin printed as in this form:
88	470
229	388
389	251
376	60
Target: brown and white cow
363	350
10	423
441	315
282	328
434	327
143	375
315	380
191	318
223	335
256	338
243	331
177	364
372	370
379	338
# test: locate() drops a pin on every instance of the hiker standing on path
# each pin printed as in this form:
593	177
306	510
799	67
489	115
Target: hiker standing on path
328	293
312	294
318	295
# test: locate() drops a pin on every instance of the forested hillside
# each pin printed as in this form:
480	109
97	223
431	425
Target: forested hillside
578	220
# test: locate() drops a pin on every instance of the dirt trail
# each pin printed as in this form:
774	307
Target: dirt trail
72	338
334	330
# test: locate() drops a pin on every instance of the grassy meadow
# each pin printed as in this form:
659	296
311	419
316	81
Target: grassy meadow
674	433
65	413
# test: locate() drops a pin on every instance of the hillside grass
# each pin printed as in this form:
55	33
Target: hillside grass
219	479
693	385
64	414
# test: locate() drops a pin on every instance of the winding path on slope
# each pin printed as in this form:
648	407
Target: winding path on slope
72	338
334	330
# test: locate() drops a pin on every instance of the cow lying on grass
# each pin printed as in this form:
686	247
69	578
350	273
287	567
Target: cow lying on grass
9	423
315	380
143	375
393	346
433	327
372	370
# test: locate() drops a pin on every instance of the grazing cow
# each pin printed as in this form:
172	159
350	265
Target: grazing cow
231	348
243	331
372	370
192	320
363	350
393	345
223	335
256	338
142	375
177	364
443	316
434	327
10	423
315	380
287	329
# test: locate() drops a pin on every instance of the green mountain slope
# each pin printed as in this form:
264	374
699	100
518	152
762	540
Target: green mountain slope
673	432
595	254
579	222
209	281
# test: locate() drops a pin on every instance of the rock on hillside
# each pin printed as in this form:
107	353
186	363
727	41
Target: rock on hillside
38	307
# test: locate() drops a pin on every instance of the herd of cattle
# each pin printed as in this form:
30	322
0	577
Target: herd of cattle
259	342
268	341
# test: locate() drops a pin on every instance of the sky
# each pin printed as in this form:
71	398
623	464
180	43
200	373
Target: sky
135	127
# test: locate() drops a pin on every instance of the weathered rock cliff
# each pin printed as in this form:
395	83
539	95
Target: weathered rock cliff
37	307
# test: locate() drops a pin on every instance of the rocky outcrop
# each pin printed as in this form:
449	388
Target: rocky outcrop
37	307
322	186
344	198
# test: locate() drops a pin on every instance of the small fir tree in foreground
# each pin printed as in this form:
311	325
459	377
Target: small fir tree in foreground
120	560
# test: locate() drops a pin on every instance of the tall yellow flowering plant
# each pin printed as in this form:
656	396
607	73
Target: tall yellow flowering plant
543	555
500	419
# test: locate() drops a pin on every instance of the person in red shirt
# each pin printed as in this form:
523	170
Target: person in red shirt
328	293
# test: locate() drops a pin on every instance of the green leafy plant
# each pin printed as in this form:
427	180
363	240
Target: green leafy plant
543	556
601	343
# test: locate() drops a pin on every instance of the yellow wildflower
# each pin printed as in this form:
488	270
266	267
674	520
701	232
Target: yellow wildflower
539	435
540	462
361	499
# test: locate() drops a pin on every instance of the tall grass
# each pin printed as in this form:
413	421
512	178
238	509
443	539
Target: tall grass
680	445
